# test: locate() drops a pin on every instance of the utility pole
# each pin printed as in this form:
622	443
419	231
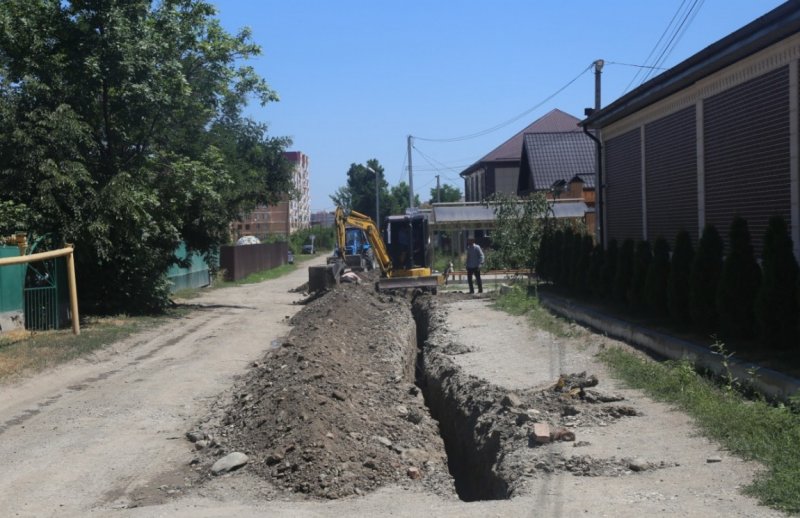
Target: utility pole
410	176
598	184
598	69
438	191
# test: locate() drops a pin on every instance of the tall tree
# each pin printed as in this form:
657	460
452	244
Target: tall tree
399	199
777	303
359	192
642	258
445	194
121	130
738	284
519	225
678	281
655	288
703	279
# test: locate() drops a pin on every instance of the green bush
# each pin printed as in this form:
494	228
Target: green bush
543	259
776	303
582	258
641	262
567	244
655	288
738	285
623	274
557	257
678	281
596	286
323	239
703	279
610	268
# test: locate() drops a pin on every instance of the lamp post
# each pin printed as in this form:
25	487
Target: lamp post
377	200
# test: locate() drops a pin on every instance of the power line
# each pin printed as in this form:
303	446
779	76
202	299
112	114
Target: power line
632	65
658	43
685	23
510	121
430	160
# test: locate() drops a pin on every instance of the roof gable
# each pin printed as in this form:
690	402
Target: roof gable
550	157
555	121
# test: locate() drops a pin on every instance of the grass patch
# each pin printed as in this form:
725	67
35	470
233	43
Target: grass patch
754	430
520	301
29	352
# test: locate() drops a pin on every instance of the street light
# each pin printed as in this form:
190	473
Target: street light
377	201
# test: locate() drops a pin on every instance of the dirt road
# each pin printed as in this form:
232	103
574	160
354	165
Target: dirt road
105	436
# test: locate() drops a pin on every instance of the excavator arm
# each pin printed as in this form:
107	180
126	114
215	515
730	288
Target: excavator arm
358	220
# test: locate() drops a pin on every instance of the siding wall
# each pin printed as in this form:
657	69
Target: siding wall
746	131
623	190
671	175
727	144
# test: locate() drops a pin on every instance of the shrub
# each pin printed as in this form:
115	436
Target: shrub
610	268
655	288
641	262
678	281
624	272
575	260
738	285
567	245
595	283
776	302
542	260
556	256
703	279
580	277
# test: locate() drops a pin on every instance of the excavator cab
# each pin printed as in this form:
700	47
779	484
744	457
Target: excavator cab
407	242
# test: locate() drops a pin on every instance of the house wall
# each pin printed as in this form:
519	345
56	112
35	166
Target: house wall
623	190
726	145
506	180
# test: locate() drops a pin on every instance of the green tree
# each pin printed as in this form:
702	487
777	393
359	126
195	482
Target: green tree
121	130
610	268
738	284
623	274
519	225
359	192
641	263
777	304
655	288
567	254
398	198
703	279
596	285
678	281
446	193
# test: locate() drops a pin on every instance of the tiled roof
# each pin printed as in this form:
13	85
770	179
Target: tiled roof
511	150
550	157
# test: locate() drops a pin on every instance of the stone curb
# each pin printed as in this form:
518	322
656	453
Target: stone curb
767	381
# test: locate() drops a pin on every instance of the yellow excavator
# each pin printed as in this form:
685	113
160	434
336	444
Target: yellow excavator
404	258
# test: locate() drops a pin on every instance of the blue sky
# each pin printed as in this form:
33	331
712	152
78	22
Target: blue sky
356	77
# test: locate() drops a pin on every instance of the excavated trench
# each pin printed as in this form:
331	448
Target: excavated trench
463	406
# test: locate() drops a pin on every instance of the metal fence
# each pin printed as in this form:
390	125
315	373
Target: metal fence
196	275
240	261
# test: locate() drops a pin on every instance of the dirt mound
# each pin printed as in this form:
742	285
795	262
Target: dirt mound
332	409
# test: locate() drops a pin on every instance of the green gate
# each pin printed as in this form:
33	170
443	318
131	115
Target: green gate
43	294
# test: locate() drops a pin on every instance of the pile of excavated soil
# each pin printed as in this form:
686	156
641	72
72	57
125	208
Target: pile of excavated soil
332	410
